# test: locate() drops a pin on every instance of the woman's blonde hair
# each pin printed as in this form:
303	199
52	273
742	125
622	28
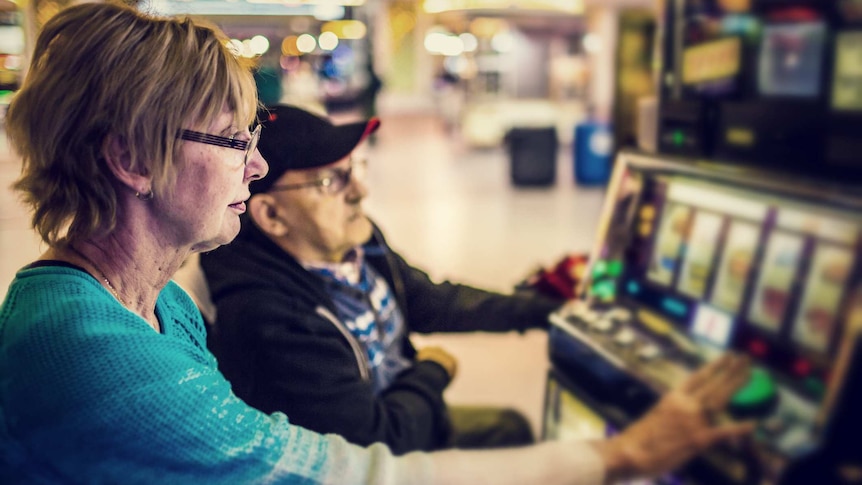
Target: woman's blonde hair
106	68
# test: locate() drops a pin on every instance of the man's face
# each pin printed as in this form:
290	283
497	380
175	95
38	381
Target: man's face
324	218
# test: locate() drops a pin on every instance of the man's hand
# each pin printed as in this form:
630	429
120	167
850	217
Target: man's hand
440	356
682	424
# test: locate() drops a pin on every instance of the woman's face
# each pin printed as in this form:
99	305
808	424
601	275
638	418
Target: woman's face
203	207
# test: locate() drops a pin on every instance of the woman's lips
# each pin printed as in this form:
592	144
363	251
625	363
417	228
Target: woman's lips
239	206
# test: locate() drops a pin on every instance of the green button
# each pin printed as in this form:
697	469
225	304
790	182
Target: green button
615	268
605	290
759	389
600	269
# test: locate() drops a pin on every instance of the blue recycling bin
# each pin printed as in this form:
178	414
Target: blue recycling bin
593	153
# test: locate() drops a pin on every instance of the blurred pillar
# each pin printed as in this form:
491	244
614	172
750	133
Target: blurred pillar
27	9
600	45
399	59
34	15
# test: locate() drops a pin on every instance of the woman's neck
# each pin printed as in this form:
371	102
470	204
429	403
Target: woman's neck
130	269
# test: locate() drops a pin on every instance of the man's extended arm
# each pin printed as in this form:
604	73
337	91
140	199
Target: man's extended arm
451	307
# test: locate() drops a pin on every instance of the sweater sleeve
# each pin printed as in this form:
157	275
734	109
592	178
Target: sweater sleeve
96	393
298	362
89	392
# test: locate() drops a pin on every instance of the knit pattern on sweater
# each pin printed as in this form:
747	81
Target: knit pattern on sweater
90	393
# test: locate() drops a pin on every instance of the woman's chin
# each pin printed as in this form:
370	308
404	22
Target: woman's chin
226	235
203	247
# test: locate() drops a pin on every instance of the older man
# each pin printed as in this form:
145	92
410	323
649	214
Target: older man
314	309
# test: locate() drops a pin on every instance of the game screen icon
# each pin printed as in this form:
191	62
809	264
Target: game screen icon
735	265
773	289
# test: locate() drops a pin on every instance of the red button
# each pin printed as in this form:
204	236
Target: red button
757	348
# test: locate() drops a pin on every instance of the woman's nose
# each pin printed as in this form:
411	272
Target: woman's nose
256	168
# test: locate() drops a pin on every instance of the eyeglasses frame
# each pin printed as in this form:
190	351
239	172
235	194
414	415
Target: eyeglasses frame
224	141
323	182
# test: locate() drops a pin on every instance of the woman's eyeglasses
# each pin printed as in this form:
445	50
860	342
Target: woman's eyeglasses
332	182
248	146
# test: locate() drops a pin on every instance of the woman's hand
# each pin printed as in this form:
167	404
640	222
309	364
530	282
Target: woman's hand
681	425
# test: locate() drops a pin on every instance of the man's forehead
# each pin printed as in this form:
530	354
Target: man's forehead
314	172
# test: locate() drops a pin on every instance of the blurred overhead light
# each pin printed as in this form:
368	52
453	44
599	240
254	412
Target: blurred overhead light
469	41
444	43
259	45
571	7
306	43
237	7
328	12
229	7
312	3
235	46
246	49
327	41
346	29
503	41
288	46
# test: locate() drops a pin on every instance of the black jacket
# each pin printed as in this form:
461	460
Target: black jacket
279	342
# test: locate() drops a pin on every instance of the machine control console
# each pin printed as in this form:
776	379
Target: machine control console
787	418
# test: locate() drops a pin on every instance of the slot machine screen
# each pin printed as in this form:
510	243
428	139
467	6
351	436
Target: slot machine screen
851	10
791	59
847	77
695	259
765	273
712	48
711	67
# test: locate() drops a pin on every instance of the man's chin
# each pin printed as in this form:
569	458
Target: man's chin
362	228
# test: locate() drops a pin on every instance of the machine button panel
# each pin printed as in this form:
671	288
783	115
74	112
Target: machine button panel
625	337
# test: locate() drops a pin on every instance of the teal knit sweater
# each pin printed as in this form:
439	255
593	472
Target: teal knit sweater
90	393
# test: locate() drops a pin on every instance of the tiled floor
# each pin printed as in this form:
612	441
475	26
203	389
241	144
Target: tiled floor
451	211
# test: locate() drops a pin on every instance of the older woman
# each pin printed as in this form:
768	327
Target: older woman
136	153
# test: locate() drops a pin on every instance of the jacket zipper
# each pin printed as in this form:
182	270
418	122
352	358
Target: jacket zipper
361	358
397	281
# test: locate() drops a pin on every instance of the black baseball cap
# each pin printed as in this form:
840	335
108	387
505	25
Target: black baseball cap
294	139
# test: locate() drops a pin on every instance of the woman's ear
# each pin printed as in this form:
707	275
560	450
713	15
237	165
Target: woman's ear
119	160
264	212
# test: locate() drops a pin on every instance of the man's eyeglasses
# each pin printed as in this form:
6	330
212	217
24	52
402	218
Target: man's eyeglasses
248	146
332	182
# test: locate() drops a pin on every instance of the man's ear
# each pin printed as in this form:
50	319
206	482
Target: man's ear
119	160
264	212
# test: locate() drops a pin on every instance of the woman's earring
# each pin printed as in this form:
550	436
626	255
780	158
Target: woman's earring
145	196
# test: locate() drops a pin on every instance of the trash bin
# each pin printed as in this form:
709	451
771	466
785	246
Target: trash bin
593	152
533	155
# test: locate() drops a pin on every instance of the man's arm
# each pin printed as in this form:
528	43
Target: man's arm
283	359
451	307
